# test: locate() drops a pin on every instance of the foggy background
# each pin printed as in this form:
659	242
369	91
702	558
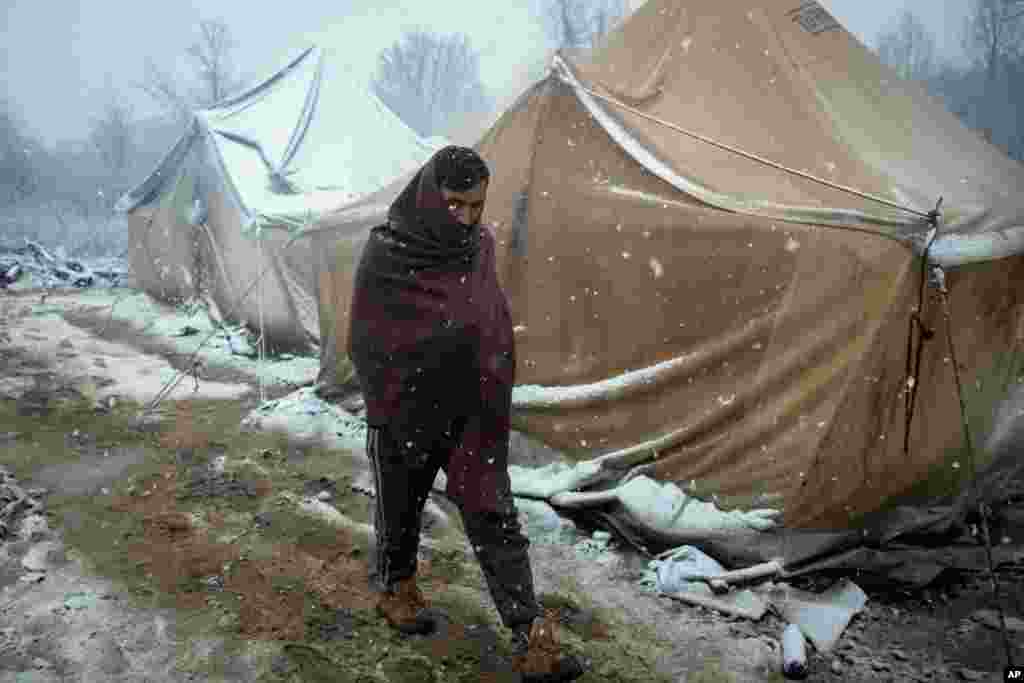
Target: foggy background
95	92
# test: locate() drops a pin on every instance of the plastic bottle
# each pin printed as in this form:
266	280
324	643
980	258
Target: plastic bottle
794	653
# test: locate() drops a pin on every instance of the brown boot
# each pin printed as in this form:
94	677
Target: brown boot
538	656
404	607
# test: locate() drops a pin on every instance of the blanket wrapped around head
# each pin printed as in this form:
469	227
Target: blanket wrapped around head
431	335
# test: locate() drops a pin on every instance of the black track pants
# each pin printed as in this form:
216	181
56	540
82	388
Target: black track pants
403	474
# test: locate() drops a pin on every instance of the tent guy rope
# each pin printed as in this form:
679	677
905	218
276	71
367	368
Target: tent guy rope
983	507
931	216
263	329
170	385
913	369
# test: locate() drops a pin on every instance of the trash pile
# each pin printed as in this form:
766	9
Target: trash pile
690	576
34	266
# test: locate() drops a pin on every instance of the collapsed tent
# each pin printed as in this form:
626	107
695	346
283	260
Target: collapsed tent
711	232
223	213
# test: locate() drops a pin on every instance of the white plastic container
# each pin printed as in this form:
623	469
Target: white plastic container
794	653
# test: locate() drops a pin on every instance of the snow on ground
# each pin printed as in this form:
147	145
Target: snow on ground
306	417
195	332
302	414
114	369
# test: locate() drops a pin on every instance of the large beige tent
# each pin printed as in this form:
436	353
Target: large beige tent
690	307
226	214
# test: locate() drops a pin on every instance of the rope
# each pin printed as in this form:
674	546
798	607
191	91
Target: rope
263	329
755	157
983	507
174	381
913	369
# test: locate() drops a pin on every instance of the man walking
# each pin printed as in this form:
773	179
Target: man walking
432	343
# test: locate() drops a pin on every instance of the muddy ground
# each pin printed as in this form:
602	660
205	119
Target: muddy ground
181	547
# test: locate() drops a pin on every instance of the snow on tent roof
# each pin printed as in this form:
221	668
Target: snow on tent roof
311	141
308	139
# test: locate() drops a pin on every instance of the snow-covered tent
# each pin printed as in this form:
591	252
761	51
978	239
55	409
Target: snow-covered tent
223	214
711	231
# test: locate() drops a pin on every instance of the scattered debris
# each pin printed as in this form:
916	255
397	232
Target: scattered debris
821	616
80	600
13	502
542	523
34	266
687	574
794	652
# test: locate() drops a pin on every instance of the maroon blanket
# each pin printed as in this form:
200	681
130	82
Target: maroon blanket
431	338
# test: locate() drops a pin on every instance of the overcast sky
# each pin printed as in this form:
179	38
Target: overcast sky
58	56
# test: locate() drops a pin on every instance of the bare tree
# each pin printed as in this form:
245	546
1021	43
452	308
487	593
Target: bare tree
214	67
214	77
112	136
427	79
993	38
993	34
909	48
18	176
578	24
165	91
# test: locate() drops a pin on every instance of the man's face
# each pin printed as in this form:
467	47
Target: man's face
466	207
